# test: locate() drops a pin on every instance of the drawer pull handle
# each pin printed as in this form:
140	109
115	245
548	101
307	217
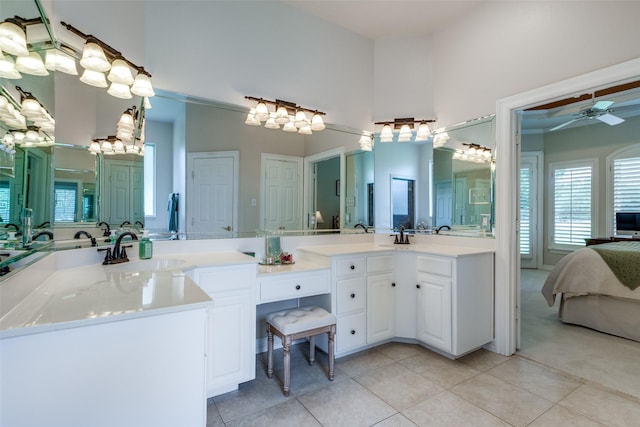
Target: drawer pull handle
298	287
353	332
393	284
353	295
353	267
418	286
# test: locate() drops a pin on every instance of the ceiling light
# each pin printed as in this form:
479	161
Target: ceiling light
423	132
8	67
405	125
93	78
120	72
13	39
282	115
31	64
405	133
93	57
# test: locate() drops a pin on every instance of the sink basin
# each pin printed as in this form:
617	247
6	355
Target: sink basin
147	265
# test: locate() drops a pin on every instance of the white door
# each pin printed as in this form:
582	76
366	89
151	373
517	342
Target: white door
282	185
529	206
212	201
444	201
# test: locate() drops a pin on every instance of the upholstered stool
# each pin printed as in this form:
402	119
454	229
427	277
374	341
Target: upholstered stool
293	324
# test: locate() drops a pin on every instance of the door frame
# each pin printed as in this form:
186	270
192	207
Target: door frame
536	160
235	156
507	260
309	193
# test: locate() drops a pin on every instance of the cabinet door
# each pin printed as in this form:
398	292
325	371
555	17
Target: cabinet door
351	332
380	307
434	311
230	343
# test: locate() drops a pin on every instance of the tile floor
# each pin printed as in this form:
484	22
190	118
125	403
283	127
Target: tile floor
400	384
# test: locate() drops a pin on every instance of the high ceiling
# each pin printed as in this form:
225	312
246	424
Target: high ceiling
377	19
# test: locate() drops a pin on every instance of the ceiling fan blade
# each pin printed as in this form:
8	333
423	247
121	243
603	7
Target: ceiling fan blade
564	124
610	119
602	105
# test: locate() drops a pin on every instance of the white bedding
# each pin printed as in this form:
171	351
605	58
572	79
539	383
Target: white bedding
584	272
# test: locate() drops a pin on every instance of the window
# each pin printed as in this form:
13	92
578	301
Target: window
572	202
149	179
5	201
625	172
525	211
65	199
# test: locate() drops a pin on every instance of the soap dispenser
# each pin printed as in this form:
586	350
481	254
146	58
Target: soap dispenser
145	246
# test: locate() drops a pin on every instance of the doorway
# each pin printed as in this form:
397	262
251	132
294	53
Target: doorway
403	203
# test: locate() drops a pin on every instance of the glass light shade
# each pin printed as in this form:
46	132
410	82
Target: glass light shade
405	133
271	122
457	155
94	148
13	40
147	103
317	123
305	130
93	78
423	132
93	58
19	119
119	90
56	60
8	67
142	86
106	146
18	137
262	112
301	119
282	115
141	152
487	154
31	108
32	136
471	150
120	73
251	118
126	121
289	127
31	64
118	147
8	140
386	134
365	143
132	149
125	135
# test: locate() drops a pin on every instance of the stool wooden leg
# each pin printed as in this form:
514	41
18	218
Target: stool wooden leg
269	352
312	349
331	334
286	356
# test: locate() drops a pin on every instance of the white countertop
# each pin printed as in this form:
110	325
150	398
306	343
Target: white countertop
86	295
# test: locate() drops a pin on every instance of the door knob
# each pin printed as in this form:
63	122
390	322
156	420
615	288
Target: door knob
227	228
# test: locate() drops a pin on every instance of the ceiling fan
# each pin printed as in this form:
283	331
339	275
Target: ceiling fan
599	110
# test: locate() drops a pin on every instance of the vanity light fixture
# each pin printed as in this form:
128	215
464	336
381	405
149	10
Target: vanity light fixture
292	117
129	138
405	127
98	58
473	153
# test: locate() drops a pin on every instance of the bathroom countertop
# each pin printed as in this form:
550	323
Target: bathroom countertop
360	248
92	294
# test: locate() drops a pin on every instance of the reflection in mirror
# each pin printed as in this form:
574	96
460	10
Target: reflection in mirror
74	186
462	183
359	190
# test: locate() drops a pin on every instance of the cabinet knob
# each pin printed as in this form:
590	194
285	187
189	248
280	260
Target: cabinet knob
418	286
393	284
298	287
353	295
353	267
353	332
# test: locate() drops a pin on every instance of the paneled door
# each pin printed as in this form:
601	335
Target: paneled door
282	192
212	194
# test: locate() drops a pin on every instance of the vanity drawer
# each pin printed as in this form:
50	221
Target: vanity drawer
435	265
350	266
215	280
352	295
288	286
351	332
377	264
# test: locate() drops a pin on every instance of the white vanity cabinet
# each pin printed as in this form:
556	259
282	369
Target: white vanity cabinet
364	300
231	326
455	301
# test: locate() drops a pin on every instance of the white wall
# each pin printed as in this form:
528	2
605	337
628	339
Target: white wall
161	134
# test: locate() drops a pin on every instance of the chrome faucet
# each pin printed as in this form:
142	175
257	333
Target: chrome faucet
119	251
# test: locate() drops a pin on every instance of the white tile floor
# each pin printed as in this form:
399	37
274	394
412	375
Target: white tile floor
400	384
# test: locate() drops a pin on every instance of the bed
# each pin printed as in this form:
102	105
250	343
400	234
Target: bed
600	288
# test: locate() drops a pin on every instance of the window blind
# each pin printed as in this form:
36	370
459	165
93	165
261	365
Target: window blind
626	186
525	211
572	205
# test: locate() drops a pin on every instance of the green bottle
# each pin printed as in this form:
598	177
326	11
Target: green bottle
145	247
